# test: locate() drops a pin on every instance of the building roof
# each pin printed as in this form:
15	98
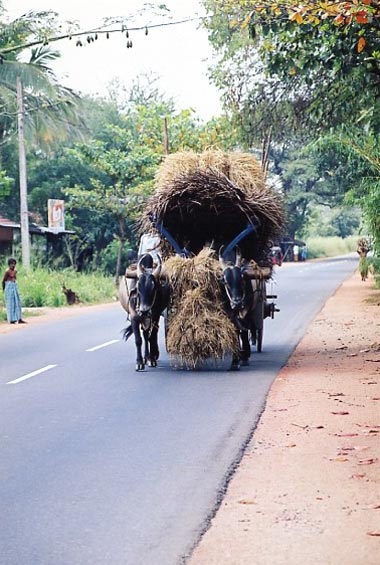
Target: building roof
33	228
5	223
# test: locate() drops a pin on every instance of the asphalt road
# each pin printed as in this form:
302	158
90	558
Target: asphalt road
103	465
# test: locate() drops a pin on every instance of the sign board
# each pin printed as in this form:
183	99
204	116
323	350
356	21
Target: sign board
56	214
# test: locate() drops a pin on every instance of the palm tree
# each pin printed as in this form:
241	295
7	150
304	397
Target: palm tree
30	92
51	110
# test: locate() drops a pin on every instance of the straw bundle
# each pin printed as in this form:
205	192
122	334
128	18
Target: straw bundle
202	271
198	328
200	208
246	172
242	169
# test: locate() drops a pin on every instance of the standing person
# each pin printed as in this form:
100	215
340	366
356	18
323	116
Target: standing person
11	294
296	250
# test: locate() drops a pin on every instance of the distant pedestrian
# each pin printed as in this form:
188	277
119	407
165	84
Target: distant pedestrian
11	295
296	250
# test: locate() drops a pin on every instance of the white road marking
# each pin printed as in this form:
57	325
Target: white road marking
33	374
103	345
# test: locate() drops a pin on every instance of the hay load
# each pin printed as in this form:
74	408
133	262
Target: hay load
209	198
198	327
204	201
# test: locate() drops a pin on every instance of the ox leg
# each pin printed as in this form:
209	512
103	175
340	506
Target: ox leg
235	365
153	345
146	346
245	351
140	365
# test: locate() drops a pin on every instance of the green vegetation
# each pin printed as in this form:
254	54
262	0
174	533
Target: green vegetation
331	246
300	81
43	287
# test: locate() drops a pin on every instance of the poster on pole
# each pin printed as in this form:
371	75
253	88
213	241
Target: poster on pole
56	214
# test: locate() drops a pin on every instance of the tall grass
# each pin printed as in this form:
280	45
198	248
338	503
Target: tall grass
331	246
43	287
374	263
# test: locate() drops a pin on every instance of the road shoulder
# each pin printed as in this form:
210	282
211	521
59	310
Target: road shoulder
307	490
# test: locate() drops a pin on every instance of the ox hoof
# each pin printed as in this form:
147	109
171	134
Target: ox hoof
245	362
153	363
140	366
235	367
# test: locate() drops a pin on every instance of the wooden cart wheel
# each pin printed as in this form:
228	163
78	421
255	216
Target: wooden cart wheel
166	327
258	318
259	340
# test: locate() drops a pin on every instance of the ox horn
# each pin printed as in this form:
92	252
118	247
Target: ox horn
157	271
222	261
145	262
140	267
238	256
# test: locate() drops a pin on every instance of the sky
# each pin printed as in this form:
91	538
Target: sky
178	55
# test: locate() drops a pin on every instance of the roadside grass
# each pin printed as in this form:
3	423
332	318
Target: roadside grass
43	288
330	246
374	266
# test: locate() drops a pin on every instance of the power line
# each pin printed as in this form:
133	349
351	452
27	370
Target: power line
93	33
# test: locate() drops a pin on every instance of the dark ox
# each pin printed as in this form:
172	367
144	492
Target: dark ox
241	300
144	298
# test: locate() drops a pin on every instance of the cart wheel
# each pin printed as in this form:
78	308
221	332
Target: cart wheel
166	326
259	340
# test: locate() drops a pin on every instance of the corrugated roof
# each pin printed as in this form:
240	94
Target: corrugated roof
33	228
5	223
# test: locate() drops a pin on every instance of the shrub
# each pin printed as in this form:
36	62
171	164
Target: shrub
331	246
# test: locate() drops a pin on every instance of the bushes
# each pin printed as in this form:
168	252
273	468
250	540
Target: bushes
43	287
331	246
374	263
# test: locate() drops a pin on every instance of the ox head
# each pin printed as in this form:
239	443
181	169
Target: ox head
148	278
233	277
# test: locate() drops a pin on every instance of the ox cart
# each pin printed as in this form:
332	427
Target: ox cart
215	221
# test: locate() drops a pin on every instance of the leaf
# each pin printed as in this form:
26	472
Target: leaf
244	501
376	533
342	413
361	17
346	435
296	17
361	44
339	459
358	476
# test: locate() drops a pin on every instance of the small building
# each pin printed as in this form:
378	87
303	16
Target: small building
287	248
7	228
10	234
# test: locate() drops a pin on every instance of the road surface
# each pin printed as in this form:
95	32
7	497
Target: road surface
103	465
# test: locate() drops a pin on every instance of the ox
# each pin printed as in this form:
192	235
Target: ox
145	300
241	300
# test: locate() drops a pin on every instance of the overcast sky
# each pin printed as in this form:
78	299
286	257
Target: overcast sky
178	54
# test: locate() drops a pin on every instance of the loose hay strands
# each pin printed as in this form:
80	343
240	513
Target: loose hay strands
203	270
200	330
246	172
201	207
243	169
198	326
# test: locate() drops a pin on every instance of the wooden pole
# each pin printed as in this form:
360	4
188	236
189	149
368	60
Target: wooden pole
24	218
166	137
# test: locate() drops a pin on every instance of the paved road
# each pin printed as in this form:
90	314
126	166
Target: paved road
103	465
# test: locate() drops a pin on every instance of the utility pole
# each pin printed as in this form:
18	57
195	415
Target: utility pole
166	137
24	218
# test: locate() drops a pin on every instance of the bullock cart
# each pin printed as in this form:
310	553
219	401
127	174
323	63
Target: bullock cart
216	220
